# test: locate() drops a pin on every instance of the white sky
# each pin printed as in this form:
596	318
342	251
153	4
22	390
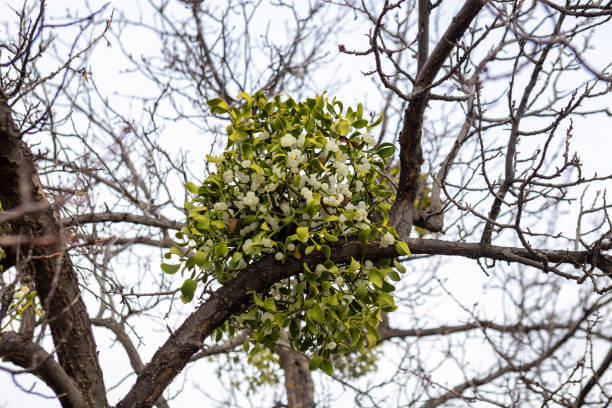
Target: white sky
592	141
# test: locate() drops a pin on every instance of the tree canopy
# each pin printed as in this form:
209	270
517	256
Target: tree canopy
317	203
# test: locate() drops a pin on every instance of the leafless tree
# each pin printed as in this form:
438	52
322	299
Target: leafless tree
508	294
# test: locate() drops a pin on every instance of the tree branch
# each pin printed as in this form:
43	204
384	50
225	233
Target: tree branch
457	392
232	297
298	381
512	254
473	250
603	367
411	155
20	351
130	349
513	139
121	217
54	276
172	357
226	347
387	332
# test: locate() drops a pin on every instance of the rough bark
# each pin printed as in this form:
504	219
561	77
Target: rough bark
411	156
298	382
171	358
19	350
523	256
52	270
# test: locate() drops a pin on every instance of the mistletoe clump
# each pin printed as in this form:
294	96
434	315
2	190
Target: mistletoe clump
295	178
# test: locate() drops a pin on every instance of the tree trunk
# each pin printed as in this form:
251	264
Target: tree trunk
54	277
298	382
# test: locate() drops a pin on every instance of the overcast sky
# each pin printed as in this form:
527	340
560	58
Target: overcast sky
107	65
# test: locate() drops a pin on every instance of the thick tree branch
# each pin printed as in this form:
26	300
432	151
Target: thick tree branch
54	277
17	240
387	332
423	36
432	222
512	254
411	156
473	250
298	382
20	351
172	357
421	219
187	340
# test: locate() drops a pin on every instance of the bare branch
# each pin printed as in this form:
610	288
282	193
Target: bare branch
34	359
410	137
